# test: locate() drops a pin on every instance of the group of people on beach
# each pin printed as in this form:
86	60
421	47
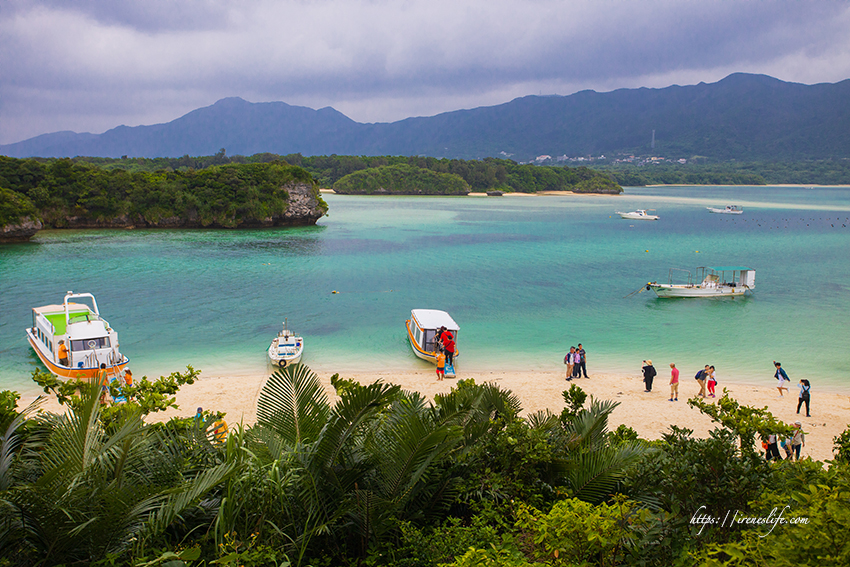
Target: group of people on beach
707	380
792	445
576	361
102	378
445	343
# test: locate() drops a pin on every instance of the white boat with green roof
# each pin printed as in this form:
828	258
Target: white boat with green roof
77	331
713	281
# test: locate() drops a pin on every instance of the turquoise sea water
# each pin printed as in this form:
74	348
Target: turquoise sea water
525	277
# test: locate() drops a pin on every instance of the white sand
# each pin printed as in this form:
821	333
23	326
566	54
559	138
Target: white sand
650	414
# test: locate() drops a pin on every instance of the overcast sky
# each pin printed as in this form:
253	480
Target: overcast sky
91	65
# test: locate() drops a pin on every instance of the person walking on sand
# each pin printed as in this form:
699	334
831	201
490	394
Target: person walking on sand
711	381
582	361
441	366
798	439
782	377
805	388
701	377
674	383
773	448
648	374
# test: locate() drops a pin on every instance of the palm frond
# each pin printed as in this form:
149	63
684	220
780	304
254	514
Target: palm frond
293	404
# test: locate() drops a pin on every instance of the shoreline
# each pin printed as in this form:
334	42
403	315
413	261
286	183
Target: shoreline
650	414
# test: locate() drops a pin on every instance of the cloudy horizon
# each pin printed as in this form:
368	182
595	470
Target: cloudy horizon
98	64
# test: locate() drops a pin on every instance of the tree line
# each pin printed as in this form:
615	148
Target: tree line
65	192
384	477
814	172
488	174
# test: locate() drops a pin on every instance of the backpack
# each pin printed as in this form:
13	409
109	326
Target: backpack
700	375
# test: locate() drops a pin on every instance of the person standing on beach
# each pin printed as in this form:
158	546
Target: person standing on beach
569	360
805	388
441	366
773	448
674	383
701	376
782	377
648	374
582	361
712	381
798	439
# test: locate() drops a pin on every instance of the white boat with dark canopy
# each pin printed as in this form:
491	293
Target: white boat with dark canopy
286	348
639	214
422	330
77	330
728	210
720	281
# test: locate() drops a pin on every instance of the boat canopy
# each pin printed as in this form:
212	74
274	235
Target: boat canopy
434	319
729	268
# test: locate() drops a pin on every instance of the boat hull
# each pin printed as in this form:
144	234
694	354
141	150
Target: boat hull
724	211
69	372
667	290
631	216
417	350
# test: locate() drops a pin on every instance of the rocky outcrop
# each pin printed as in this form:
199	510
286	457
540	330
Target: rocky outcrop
20	231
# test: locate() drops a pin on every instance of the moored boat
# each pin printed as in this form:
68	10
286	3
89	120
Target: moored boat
73	341
713	282
286	348
422	330
728	210
638	214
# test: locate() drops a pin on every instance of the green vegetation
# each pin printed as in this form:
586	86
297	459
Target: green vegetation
15	207
400	179
68	193
489	174
384	477
814	172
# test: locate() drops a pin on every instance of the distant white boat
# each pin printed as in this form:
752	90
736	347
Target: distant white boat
639	214
286	348
712	283
728	210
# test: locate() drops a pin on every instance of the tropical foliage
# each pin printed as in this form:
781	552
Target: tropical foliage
382	476
75	193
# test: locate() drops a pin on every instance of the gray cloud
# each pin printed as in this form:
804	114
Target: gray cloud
94	64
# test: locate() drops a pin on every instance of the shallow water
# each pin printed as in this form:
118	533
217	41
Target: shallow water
525	277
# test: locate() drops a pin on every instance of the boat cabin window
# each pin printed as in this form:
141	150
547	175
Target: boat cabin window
429	339
90	344
418	336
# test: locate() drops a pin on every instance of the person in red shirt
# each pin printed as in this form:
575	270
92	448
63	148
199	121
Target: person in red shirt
449	345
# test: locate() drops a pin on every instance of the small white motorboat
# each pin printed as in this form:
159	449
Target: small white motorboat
638	214
728	210
286	348
713	283
422	328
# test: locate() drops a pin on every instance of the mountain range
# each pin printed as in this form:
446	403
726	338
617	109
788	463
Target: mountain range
742	117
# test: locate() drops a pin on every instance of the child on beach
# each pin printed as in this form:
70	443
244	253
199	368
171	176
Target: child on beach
712	382
674	383
441	366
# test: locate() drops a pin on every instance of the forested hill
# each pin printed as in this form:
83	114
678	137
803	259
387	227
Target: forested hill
742	117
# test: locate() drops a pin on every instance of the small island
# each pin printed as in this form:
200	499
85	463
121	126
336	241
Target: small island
62	193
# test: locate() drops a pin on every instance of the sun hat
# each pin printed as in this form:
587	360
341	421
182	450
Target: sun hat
649	362
798	422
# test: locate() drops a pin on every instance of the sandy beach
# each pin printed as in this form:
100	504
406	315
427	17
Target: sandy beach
650	414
